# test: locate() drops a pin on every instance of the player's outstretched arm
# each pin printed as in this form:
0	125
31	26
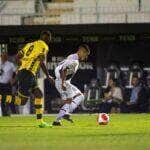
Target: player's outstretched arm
50	78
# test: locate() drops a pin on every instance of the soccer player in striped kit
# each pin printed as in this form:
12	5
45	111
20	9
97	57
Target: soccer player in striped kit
71	95
31	58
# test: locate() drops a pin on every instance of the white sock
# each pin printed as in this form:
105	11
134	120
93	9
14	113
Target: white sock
76	102
64	110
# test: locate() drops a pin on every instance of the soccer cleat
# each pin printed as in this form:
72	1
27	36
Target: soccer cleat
44	125
56	123
67	117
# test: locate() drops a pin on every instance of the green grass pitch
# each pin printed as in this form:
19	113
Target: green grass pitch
124	132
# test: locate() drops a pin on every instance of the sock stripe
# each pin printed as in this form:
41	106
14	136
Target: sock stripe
39	116
38	106
8	98
38	101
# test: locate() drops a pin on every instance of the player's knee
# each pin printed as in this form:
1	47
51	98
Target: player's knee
38	93
80	96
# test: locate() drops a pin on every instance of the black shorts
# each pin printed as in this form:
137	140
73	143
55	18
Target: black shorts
5	89
27	82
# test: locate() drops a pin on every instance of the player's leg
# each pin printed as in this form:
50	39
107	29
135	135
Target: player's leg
5	102
23	80
38	104
64	111
39	107
21	98
76	101
72	98
6	96
66	103
72	103
23	95
77	98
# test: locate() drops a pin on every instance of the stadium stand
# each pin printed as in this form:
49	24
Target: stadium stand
18	7
40	20
11	12
82	7
145	6
70	18
59	8
34	12
10	20
117	6
111	18
138	18
94	11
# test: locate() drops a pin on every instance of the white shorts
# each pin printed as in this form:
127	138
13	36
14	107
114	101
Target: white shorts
70	92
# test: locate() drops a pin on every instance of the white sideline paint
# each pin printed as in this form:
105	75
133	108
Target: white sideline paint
50	115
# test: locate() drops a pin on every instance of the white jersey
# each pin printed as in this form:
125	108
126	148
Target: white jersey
71	64
7	69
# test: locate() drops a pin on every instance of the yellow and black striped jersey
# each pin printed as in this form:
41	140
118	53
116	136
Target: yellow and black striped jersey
32	54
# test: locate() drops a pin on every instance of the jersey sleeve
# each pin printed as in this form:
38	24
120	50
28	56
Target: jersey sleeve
43	48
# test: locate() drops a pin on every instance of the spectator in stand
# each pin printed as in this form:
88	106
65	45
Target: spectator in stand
112	98
139	97
7	73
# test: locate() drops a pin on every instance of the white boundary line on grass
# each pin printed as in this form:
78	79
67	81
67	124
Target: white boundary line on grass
47	115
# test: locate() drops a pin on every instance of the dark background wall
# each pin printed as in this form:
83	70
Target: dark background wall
123	43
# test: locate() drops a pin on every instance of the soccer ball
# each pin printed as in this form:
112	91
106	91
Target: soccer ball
102	119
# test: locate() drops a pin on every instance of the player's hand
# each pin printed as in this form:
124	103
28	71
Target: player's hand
51	79
63	87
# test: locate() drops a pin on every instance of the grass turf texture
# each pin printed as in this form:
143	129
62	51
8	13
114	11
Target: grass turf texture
124	132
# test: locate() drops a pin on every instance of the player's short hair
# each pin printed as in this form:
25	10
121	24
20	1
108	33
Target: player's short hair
48	33
86	47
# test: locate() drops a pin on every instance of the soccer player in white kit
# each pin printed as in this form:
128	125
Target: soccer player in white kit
71	95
